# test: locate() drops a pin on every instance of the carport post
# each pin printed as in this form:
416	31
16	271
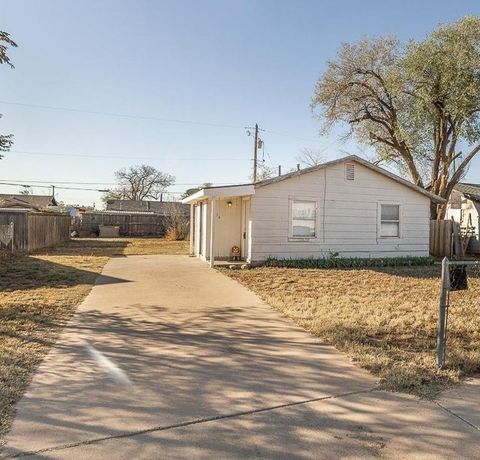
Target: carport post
192	227
212	233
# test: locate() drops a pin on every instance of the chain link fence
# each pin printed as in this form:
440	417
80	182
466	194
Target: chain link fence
458	338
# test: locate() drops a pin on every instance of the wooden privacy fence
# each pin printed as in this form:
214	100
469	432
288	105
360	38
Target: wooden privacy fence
130	223
36	230
446	239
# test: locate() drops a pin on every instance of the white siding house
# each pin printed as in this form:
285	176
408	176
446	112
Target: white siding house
464	207
347	207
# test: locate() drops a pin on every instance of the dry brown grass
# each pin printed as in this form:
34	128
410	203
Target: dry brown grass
38	295
385	319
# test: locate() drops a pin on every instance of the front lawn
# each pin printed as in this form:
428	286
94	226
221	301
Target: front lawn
385	319
39	294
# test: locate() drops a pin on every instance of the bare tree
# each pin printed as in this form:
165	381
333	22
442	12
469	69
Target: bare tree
264	172
310	157
6	140
25	190
139	183
416	105
191	191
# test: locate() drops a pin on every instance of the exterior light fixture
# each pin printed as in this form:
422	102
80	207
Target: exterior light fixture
229	204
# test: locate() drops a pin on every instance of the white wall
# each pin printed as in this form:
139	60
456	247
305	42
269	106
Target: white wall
228	226
347	216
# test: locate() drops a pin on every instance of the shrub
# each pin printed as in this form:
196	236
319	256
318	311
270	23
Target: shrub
177	224
352	262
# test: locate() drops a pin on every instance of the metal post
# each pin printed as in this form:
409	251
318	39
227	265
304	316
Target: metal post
212	233
442	313
192	229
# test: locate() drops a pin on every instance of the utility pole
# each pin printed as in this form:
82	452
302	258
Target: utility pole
255	147
257	142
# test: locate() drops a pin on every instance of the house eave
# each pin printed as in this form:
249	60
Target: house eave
217	192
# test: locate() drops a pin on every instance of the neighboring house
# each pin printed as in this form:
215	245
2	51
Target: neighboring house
163	208
33	202
75	211
348	207
464	207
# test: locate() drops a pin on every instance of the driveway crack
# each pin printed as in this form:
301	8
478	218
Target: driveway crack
187	423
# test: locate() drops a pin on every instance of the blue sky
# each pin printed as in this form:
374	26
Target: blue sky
220	64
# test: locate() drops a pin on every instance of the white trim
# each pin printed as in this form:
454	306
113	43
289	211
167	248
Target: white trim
381	238
230	191
304	199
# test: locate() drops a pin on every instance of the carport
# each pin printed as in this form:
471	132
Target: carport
220	220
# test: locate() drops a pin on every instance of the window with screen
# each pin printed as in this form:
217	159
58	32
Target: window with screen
304	217
389	220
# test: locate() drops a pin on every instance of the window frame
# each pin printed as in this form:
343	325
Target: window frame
302	199
379	220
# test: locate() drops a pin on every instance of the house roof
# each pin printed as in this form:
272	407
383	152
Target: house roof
157	207
472	191
224	190
27	201
210	191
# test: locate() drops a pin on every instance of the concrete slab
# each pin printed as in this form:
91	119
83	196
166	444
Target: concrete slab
168	358
464	401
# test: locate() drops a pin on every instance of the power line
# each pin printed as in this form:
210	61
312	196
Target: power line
51	186
122	115
81	155
147	117
101	183
73	188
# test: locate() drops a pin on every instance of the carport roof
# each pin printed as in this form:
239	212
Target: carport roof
221	191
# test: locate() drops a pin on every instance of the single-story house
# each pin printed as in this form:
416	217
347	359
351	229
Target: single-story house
347	207
464	207
33	202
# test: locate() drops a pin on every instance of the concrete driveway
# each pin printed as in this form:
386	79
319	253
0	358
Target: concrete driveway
167	358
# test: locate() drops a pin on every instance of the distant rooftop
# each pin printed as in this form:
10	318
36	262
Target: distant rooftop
472	190
27	201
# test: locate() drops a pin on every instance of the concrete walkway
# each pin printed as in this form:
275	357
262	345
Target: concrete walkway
167	358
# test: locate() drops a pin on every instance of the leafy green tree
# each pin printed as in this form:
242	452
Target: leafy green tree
6	140
417	105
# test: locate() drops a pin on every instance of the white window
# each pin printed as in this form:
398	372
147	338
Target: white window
304	219
389	220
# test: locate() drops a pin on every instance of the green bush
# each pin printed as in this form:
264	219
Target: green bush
352	262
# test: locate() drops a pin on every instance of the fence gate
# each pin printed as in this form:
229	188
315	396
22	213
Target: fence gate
6	235
455	277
